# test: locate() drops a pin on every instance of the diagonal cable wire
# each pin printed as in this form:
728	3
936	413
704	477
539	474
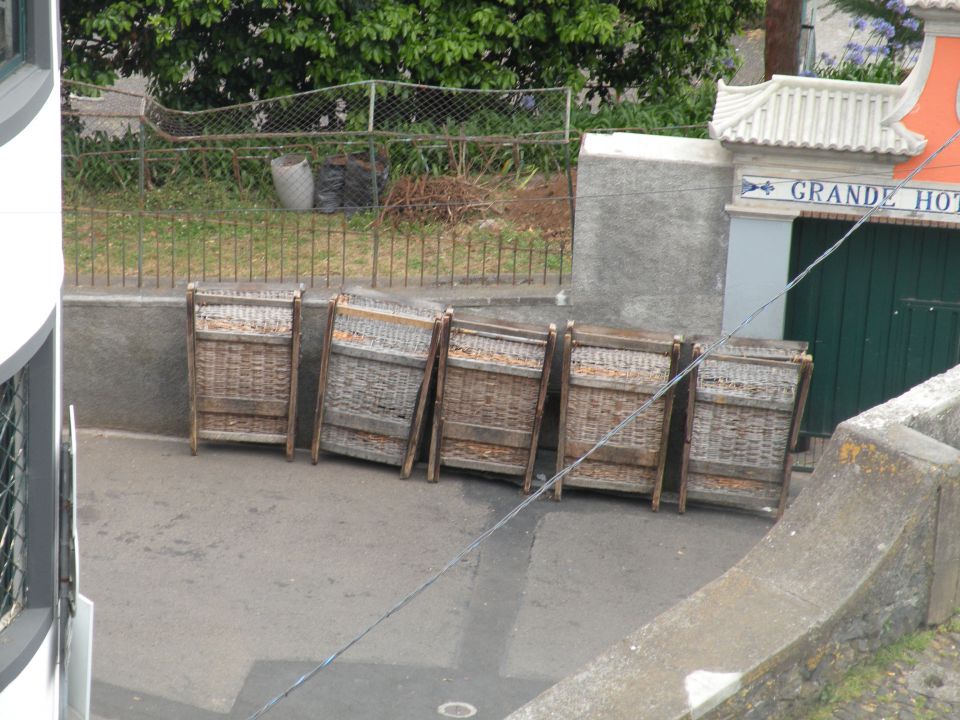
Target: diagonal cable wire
456	559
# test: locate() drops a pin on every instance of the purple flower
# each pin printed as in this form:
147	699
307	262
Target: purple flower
882	27
729	63
859	23
828	59
855	47
897	6
911	24
807	73
856	58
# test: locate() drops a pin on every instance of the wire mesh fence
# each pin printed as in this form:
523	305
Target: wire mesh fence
375	182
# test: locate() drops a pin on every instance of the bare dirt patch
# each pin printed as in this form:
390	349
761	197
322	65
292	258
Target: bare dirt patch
543	204
539	204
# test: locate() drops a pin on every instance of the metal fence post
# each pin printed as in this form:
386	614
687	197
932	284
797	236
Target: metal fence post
142	185
375	191
566	162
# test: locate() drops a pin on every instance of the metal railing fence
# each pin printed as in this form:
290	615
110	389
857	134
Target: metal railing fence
166	248
376	182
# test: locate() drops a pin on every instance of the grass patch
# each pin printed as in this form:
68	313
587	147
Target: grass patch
197	221
210	213
107	244
867	676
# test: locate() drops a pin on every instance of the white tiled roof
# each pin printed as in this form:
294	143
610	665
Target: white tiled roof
815	114
933	4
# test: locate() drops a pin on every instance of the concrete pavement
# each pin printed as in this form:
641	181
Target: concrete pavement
219	579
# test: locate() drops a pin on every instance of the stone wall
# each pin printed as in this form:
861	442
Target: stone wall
869	551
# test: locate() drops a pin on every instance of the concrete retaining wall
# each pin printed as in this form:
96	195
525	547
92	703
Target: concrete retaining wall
867	552
125	353
650	247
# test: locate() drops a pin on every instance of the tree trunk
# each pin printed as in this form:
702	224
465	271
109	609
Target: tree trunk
781	48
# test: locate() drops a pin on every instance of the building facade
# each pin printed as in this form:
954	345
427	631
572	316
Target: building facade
37	558
810	157
710	230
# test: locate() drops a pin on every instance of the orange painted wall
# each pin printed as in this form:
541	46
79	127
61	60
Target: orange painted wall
935	117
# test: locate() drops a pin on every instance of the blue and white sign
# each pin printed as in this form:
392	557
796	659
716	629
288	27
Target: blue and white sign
856	195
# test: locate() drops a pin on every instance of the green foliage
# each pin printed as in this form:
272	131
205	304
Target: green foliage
686	113
884	71
199	53
953	624
106	167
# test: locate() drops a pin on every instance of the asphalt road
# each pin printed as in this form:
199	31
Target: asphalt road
220	579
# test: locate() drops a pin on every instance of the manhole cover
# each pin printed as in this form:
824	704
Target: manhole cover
457	709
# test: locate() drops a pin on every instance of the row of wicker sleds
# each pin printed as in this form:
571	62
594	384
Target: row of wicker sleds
377	374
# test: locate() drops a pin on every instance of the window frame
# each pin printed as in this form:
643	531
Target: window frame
27	81
21	639
12	63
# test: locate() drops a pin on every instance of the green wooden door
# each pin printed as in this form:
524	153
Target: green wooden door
881	314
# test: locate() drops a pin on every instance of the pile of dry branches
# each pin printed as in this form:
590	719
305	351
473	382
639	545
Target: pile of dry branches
439	199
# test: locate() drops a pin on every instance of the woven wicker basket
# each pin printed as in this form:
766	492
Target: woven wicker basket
744	409
491	389
607	375
243	353
375	371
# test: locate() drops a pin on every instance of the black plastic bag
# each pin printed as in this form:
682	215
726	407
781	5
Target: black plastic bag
329	184
357	181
